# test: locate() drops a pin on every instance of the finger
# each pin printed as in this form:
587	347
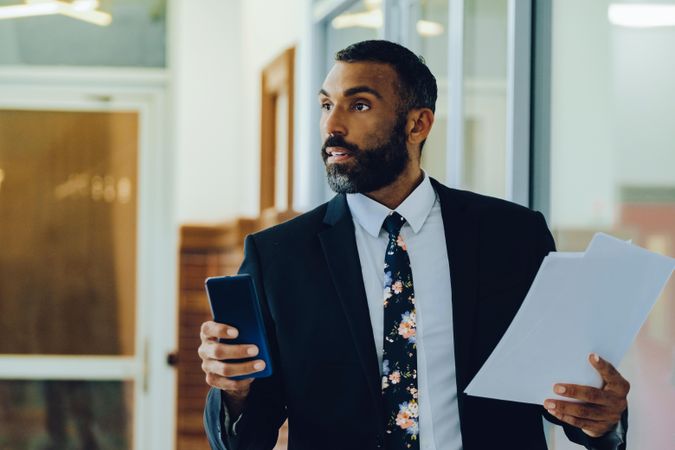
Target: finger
227	384
232	369
216	350
583	411
580	410
613	380
590	427
586	394
213	330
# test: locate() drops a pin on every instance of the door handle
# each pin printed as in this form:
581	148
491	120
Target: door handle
172	359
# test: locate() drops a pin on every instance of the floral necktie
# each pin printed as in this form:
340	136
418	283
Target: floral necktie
399	356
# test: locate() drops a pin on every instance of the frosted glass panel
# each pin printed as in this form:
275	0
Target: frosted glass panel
362	21
66	415
68	232
613	170
432	31
485	39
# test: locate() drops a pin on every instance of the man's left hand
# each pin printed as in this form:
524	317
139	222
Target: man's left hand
600	409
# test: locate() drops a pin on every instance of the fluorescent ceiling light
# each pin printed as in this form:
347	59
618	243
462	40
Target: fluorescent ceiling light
369	19
90	15
429	28
78	9
28	10
641	15
374	19
84	5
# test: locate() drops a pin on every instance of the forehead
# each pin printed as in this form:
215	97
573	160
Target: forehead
379	76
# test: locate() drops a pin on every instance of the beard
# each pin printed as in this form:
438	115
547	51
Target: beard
370	168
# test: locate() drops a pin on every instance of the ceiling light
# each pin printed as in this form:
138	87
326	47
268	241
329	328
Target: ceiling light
374	19
370	19
641	15
428	28
78	9
28	10
372	4
84	5
86	11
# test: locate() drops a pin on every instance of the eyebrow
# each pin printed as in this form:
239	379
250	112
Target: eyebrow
354	91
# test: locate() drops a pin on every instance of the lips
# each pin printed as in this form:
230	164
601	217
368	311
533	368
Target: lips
337	154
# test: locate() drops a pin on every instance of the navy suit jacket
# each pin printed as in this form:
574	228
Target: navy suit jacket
326	377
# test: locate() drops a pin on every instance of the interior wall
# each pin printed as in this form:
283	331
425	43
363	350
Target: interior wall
267	29
612	92
580	71
645	105
206	75
217	51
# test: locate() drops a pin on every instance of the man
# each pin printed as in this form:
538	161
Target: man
382	304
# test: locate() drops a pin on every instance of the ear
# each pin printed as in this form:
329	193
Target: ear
418	125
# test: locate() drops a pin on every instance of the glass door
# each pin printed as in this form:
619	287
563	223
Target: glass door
612	169
68	278
75	290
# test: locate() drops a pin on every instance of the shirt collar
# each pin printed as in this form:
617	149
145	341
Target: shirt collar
415	208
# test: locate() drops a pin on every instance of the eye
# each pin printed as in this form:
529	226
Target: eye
361	107
325	106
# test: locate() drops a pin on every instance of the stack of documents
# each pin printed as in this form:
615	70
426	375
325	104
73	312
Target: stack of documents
595	301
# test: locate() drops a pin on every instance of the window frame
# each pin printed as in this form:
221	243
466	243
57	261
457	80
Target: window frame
399	17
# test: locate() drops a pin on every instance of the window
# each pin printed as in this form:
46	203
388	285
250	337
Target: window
613	169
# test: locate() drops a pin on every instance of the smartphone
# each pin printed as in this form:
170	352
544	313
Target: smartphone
234	302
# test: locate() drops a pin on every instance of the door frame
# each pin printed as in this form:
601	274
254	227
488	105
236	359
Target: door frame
143	91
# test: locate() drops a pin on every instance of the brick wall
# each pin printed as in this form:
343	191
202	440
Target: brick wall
205	251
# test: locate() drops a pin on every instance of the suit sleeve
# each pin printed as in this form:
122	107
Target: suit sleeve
614	439
265	409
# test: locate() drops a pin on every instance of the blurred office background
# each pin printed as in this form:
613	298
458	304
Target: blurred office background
140	140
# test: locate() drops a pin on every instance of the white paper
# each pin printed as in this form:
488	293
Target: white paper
595	301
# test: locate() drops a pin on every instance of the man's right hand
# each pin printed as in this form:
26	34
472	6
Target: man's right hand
214	357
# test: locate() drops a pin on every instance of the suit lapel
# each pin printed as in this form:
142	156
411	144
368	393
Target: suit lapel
461	237
339	247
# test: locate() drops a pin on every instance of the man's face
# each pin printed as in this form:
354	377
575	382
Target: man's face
362	128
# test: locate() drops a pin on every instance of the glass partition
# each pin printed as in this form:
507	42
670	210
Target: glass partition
424	28
485	107
66	414
68	232
363	20
432	34
613	169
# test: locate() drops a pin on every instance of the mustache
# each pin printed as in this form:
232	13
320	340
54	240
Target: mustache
339	141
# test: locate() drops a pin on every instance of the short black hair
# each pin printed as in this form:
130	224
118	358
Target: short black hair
417	83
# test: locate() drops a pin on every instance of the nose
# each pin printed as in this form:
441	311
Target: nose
334	123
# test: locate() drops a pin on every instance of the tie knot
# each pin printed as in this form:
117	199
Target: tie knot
393	223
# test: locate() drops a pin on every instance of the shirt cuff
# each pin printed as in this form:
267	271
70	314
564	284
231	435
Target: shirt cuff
229	423
614	439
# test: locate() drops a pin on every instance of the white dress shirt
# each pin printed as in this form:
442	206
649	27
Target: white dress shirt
424	236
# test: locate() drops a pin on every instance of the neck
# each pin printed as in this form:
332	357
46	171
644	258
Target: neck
393	194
